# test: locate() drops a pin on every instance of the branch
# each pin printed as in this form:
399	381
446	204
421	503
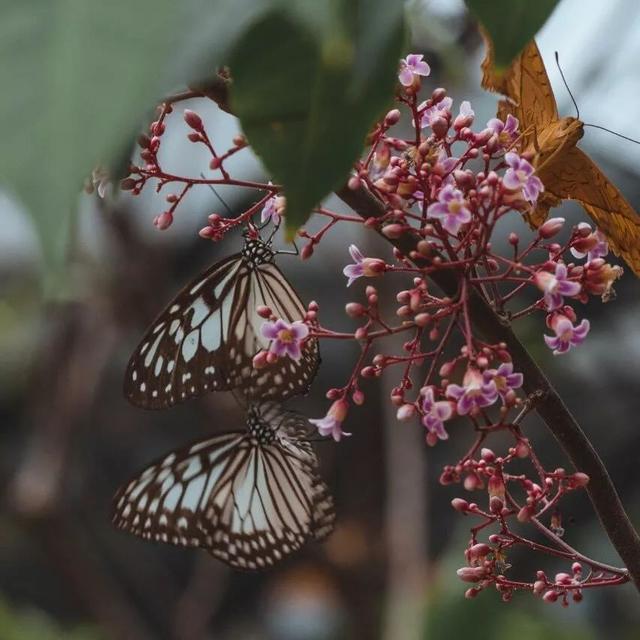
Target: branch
550	407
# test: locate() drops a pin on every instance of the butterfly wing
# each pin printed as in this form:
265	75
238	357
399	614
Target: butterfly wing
207	336
181	354
274	500
575	176
527	88
167	501
286	377
247	502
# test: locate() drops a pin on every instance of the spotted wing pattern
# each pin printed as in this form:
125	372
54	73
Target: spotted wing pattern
207	336
249	498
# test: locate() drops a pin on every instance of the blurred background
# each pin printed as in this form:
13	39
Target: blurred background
69	438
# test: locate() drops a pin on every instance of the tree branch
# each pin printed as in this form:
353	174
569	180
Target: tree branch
550	407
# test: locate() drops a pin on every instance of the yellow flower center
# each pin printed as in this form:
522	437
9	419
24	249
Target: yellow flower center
285	335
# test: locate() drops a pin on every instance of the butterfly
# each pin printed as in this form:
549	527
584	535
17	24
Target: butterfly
207	336
249	498
566	171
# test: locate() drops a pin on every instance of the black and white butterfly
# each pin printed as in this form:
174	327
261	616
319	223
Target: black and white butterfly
207	336
249	498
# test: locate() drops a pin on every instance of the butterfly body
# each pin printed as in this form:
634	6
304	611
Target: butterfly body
249	498
566	172
207	336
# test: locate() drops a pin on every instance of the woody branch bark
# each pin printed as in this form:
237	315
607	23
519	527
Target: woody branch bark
549	405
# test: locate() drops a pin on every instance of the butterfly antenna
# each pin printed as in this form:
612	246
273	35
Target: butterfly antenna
566	85
217	195
615	133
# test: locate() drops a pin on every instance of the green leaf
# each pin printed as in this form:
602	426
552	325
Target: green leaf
511	24
309	80
78	77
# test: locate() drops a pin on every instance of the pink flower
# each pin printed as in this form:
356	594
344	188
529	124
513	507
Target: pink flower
506	132
476	392
435	413
451	209
411	66
520	176
368	267
273	209
439	111
567	335
465	116
555	286
504	378
331	424
285	338
599	250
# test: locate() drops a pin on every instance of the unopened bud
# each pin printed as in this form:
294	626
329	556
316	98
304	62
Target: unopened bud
307	251
354	309
460	505
260	360
393	117
193	120
406	412
393	231
551	227
164	220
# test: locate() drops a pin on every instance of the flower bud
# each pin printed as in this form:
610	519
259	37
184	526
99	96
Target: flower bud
354	183
354	309
440	127
471	574
358	397
539	586
393	231
550	596
406	412
164	220
193	120
393	117
551	227
460	505
260	360
307	251
422	319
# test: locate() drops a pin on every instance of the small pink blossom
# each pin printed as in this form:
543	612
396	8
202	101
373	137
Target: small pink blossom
520	176
506	132
410	67
286	338
451	209
504	378
331	424
273	209
599	250
435	413
567	335
440	110
475	392
555	286
465	116
362	266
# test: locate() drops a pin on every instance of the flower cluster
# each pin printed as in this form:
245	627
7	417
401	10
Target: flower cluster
443	189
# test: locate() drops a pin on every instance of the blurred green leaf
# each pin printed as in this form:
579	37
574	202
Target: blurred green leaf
33	624
309	80
511	24
77	78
